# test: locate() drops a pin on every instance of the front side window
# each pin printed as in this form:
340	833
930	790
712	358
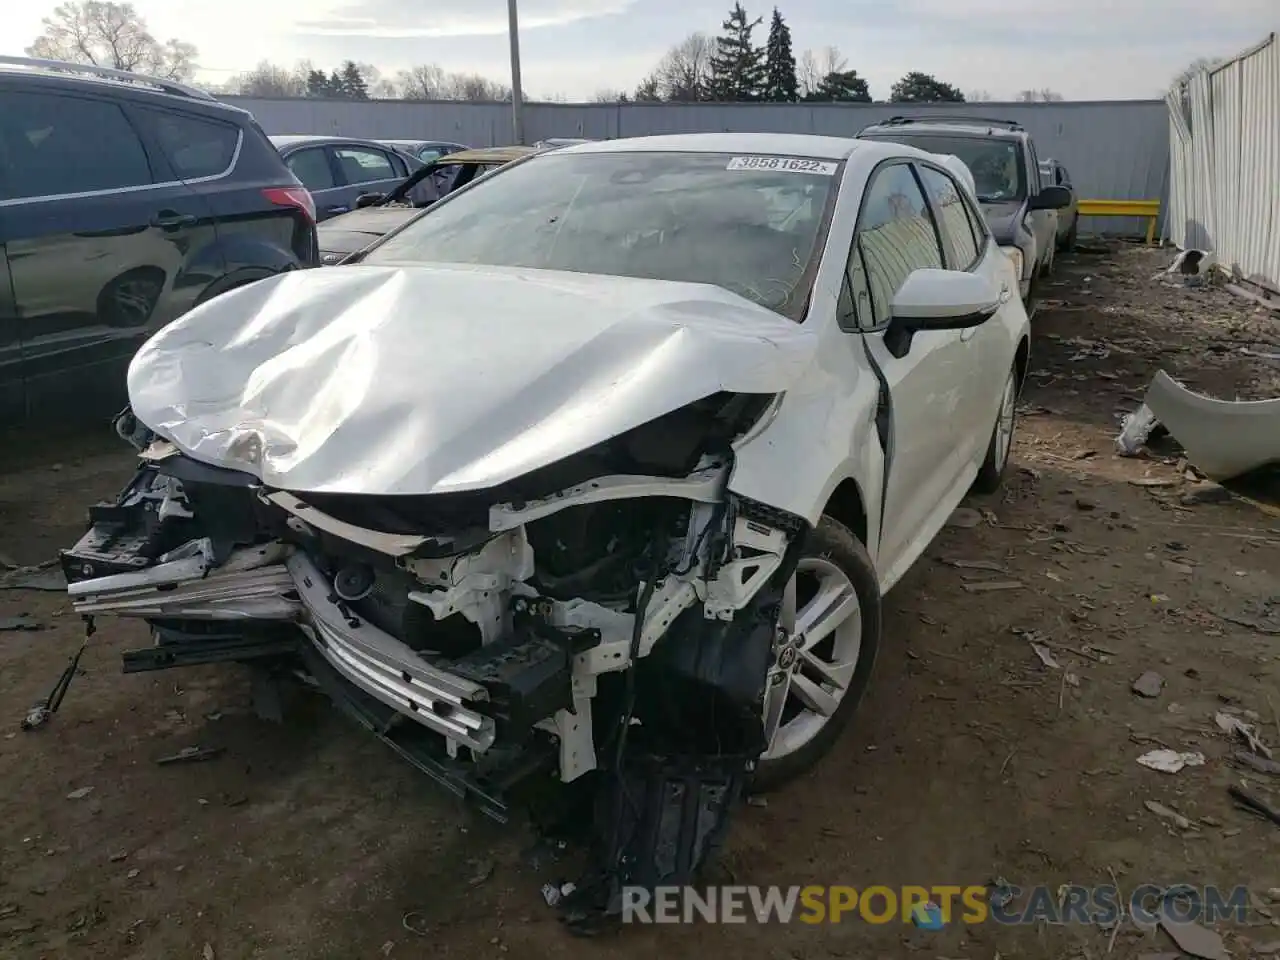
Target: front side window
55	145
953	222
995	162
752	225
361	165
896	235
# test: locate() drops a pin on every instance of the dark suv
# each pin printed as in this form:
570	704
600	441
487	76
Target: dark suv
124	202
1019	207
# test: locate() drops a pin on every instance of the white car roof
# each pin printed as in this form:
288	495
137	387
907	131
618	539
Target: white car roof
960	169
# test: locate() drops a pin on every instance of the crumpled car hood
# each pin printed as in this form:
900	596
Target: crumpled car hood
430	379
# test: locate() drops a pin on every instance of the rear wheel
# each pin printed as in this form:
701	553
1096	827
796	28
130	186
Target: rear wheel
828	636
991	473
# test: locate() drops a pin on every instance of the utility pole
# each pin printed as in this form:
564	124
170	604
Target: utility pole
517	94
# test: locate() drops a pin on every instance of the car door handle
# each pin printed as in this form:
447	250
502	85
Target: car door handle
172	220
337	209
1005	293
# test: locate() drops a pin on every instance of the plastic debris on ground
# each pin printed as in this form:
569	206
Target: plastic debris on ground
1228	723
1196	940
1170	761
1134	430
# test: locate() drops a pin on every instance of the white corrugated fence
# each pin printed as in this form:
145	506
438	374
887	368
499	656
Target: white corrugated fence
1224	156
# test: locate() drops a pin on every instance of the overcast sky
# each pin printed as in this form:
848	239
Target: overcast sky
1084	49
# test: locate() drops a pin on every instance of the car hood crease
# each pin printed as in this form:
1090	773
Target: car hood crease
413	380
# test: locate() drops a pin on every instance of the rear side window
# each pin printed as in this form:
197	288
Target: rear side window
56	145
953	223
311	166
195	147
361	165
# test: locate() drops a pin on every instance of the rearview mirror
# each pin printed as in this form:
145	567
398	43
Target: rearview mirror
1052	197
369	200
943	300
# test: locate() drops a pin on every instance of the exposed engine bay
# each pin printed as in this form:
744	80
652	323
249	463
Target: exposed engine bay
598	631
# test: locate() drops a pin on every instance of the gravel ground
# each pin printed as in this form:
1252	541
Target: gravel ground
971	758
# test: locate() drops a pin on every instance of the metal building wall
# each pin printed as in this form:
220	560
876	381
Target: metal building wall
1226	159
1113	149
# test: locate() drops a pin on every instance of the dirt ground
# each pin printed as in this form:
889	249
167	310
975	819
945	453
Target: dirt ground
970	759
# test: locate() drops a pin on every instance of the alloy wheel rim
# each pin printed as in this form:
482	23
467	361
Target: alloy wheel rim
1004	425
815	656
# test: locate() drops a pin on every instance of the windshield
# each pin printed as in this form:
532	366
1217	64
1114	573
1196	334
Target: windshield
752	225
997	174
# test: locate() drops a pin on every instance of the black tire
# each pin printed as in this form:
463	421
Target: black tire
991	474
832	541
1069	241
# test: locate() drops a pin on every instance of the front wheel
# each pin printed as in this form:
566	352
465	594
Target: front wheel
1069	241
991	473
828	636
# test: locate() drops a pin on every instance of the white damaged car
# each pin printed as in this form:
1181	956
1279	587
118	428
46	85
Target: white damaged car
589	480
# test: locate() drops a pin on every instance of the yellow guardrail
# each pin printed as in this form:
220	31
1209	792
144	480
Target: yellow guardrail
1148	209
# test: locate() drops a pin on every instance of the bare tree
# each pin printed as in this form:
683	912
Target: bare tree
473	87
830	61
1043	95
111	35
607	95
684	72
427	81
270	80
814	67
379	87
808	74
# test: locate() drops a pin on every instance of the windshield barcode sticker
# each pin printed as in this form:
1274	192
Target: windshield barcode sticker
823	168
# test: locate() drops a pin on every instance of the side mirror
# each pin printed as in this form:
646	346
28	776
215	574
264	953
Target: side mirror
939	300
369	200
1052	197
943	300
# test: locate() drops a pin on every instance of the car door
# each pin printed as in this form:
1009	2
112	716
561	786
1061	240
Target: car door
99	234
11	385
986	354
1044	223
922	387
315	168
364	170
1068	216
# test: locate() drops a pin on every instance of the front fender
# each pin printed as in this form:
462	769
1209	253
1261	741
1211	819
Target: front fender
822	434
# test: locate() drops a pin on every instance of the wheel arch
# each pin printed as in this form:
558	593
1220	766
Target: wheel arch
1022	361
847	505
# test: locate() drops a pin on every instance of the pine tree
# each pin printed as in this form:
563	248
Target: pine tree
353	84
737	67
842	86
781	85
318	84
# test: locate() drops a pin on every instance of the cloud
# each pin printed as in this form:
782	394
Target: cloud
397	20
